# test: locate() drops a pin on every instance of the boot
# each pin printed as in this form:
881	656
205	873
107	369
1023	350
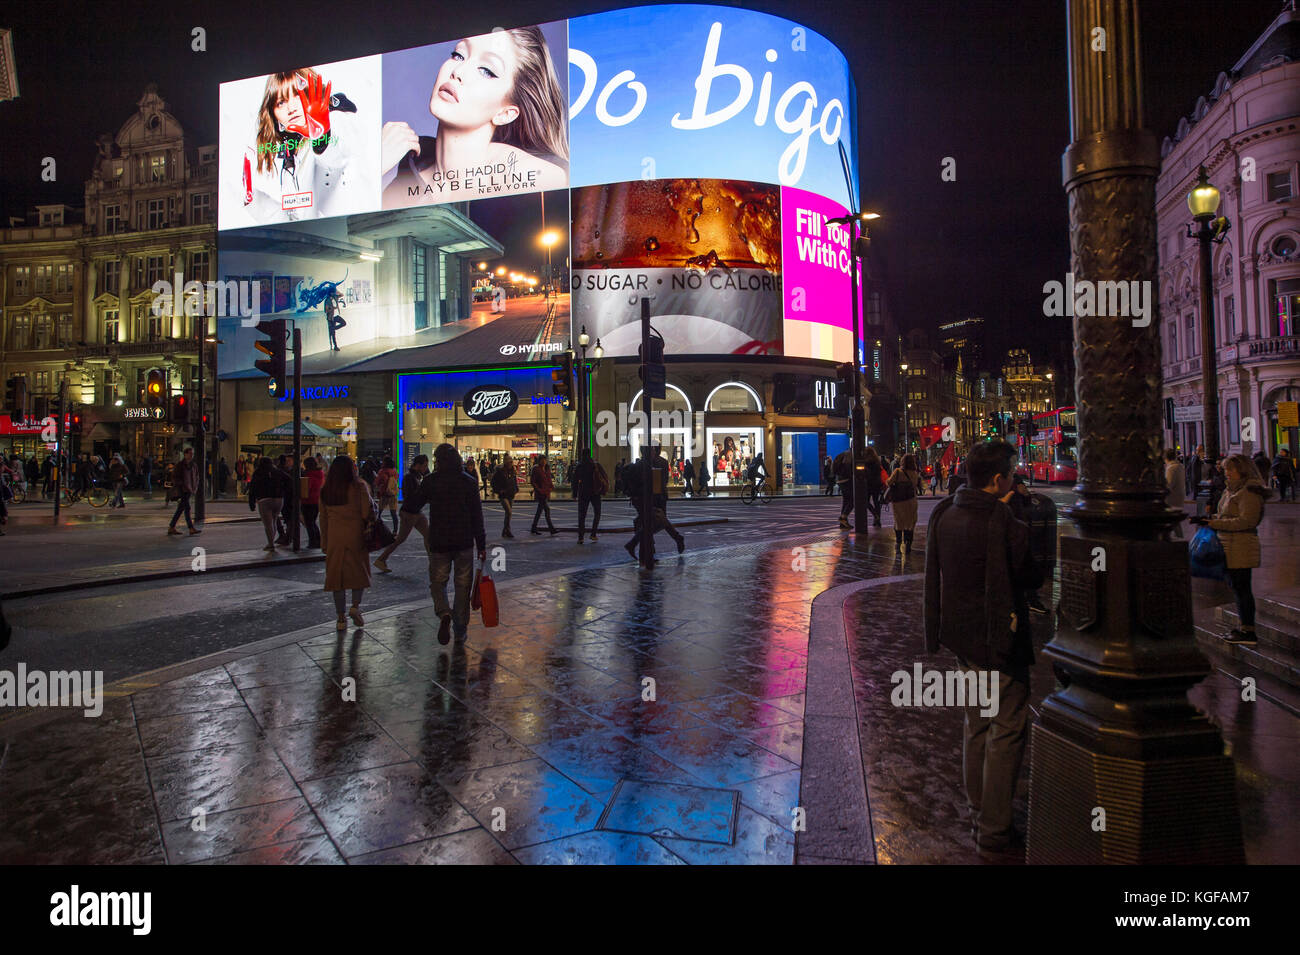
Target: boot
907	541
898	540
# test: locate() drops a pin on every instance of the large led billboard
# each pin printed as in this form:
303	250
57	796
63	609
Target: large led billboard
479	199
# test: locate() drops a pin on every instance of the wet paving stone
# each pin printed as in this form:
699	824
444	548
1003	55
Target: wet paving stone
98	827
736	712
382	808
643	718
538	719
304	701
539	803
775	797
456	742
717	758
168	699
672	810
471	847
345	744
240	830
759	841
359	644
597	761
599	848
784	739
217	778
182	732
315	851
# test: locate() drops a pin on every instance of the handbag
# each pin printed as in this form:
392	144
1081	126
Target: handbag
376	533
1207	557
491	610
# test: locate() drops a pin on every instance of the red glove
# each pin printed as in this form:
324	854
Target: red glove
314	94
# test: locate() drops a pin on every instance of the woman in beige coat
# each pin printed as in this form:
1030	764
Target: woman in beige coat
902	498
345	507
1241	508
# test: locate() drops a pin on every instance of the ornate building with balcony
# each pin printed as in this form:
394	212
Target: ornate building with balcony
76	290
1246	132
1030	388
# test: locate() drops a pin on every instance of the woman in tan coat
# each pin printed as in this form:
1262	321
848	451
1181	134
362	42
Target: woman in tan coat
1241	508
345	507
902	498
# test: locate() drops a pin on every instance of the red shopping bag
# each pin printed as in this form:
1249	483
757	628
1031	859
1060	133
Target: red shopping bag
487	593
475	601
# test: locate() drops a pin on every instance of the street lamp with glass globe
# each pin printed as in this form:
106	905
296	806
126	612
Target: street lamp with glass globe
1203	202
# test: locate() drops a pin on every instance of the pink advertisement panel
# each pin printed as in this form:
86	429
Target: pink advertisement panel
815	267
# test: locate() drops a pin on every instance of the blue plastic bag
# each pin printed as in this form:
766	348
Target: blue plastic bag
1206	553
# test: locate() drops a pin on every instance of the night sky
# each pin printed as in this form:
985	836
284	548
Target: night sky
982	82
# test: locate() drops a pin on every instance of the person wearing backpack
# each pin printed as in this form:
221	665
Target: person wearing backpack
591	483
540	479
901	495
505	485
413	501
386	484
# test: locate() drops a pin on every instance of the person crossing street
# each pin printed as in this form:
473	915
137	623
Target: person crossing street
412	513
186	479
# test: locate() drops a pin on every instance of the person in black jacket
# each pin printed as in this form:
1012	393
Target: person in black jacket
455	529
412	514
978	566
266	490
590	482
1198	471
505	484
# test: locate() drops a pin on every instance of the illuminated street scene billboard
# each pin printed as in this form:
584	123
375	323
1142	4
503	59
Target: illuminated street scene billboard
418	208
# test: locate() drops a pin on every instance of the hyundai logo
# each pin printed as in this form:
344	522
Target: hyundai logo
508	349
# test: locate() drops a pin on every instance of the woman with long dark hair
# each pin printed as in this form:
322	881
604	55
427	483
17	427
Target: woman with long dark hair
304	144
497	101
345	508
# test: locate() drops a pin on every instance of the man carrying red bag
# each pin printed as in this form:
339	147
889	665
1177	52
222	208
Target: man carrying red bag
455	531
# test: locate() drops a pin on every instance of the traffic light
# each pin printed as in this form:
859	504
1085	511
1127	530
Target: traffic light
74	419
844	373
54	407
16	398
562	378
273	348
155	388
180	410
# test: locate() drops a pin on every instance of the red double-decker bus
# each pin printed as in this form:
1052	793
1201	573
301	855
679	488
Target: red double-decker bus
1050	455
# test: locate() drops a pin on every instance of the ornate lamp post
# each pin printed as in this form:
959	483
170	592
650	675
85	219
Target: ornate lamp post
1203	201
1124	769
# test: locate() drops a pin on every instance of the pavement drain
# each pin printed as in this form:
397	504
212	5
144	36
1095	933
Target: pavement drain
672	810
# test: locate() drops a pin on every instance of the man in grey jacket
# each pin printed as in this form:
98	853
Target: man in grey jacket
978	566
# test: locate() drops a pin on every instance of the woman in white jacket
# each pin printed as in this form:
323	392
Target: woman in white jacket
301	164
1240	510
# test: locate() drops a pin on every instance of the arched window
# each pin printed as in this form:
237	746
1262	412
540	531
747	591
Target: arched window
733	396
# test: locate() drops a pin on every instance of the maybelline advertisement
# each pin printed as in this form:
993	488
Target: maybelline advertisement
476	117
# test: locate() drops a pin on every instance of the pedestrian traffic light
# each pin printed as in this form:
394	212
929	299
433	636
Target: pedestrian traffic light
74	419
273	347
16	398
562	378
180	410
155	386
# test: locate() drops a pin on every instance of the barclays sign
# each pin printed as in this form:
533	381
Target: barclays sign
490	403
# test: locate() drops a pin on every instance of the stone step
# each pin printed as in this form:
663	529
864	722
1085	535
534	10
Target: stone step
1283	606
1273	631
1278	663
1240	662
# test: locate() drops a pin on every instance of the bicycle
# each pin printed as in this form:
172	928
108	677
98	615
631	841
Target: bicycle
17	492
749	492
96	496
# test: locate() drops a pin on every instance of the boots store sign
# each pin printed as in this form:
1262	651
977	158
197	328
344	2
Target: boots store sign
490	403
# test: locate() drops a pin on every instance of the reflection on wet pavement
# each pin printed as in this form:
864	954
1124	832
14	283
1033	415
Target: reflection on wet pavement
614	716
